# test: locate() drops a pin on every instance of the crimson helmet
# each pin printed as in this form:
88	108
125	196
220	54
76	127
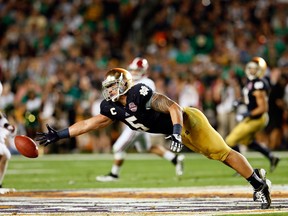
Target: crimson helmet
117	82
138	68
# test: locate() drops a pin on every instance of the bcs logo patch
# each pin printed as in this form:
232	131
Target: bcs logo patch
132	107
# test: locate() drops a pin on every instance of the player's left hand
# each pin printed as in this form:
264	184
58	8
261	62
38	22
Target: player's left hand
47	138
176	142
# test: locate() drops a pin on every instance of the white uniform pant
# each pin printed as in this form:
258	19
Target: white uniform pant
4	151
141	141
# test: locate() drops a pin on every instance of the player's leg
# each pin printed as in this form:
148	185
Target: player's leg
200	136
240	134
119	148
154	143
5	155
275	138
274	160
175	159
245	133
259	182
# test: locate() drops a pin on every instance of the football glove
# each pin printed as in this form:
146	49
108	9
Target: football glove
51	137
176	142
240	117
235	104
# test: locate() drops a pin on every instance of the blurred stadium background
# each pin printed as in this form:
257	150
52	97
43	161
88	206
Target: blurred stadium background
54	53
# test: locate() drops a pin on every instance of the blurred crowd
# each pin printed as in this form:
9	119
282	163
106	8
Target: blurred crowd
54	54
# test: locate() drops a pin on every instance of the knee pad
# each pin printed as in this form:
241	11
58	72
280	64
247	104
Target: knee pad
4	152
119	155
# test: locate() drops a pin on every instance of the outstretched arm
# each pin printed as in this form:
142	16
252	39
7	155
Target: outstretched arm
93	123
81	127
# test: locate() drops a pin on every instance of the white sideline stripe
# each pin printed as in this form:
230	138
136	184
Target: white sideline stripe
6	190
27	171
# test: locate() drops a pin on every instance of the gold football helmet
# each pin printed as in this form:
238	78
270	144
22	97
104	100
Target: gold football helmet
117	82
255	68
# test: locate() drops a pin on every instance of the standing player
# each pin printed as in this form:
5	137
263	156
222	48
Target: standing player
255	95
6	131
145	110
138	69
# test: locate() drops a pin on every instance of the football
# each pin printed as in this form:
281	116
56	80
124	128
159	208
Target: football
26	146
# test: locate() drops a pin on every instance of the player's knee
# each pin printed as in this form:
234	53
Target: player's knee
119	155
220	155
230	142
116	149
6	156
5	153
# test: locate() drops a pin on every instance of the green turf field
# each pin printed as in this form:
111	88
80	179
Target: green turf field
78	171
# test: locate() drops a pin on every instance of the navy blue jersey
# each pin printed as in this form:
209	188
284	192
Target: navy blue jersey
135	114
250	88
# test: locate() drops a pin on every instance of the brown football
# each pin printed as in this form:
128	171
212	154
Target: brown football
26	146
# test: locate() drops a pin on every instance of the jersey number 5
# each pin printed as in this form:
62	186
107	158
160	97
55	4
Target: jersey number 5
137	126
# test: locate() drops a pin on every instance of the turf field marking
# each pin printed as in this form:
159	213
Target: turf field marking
28	171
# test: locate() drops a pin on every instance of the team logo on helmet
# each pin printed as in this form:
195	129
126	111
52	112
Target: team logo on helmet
117	82
138	68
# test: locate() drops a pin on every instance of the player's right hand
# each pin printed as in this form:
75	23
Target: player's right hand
236	104
47	138
176	142
242	116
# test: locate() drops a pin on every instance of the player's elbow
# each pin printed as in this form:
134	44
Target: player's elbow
175	107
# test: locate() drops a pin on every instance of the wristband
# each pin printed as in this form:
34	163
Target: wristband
247	114
63	133
177	128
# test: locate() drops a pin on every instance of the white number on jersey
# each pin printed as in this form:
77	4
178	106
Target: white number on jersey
137	126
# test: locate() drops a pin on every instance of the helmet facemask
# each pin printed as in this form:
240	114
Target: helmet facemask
256	68
251	70
114	85
137	75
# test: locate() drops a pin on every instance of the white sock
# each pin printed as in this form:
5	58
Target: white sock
115	169
169	155
3	171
